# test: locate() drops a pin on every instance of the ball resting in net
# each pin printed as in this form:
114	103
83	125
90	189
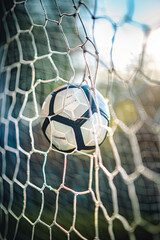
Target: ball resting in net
73	120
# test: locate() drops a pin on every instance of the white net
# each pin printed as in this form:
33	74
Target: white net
112	193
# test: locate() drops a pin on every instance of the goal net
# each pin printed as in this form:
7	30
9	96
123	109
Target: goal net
112	192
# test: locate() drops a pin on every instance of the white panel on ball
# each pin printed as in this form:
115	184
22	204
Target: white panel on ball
93	129
62	135
72	102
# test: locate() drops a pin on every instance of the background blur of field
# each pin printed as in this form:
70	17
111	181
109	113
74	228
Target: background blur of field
31	50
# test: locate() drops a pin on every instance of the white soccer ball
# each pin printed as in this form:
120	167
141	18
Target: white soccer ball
73	120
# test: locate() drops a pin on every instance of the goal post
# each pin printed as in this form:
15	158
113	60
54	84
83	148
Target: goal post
113	191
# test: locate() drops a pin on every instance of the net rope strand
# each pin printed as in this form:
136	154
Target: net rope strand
87	45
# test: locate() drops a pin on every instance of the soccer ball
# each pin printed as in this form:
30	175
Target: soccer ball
73	120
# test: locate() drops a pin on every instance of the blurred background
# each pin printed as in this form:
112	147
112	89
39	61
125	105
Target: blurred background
112	46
